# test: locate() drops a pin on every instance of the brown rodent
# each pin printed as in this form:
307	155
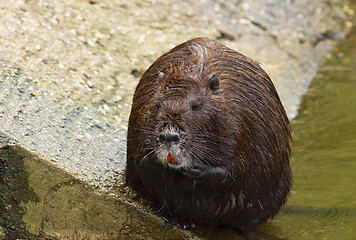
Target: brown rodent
208	138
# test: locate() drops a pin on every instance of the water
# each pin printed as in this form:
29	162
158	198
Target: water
38	200
322	204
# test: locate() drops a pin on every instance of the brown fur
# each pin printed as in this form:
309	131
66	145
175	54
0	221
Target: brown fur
231	131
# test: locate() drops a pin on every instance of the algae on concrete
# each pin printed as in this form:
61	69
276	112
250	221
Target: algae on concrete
39	200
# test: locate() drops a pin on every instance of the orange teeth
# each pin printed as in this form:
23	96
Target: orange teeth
171	158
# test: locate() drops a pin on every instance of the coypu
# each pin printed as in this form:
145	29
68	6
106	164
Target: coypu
208	138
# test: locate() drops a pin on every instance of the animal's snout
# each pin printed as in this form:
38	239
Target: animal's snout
169	138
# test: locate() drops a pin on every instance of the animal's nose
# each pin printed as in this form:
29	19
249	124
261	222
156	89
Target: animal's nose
169	138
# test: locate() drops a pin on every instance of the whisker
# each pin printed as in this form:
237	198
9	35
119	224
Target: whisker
144	159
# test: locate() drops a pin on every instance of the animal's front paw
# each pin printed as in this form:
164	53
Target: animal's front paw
196	170
203	175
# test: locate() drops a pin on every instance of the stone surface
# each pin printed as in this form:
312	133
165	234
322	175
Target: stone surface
72	137
69	68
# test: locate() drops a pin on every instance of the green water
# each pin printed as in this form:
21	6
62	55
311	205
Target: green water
322	204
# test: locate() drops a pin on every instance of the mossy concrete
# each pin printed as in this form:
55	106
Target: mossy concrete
40	201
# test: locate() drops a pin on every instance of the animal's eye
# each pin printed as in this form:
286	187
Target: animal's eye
213	82
196	105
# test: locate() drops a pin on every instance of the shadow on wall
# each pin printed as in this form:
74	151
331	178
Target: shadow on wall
15	193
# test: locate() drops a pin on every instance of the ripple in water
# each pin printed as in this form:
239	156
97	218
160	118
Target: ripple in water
300	222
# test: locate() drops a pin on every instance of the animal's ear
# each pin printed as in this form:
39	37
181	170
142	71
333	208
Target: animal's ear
213	82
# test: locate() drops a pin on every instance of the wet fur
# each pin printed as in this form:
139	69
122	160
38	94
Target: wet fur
239	135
